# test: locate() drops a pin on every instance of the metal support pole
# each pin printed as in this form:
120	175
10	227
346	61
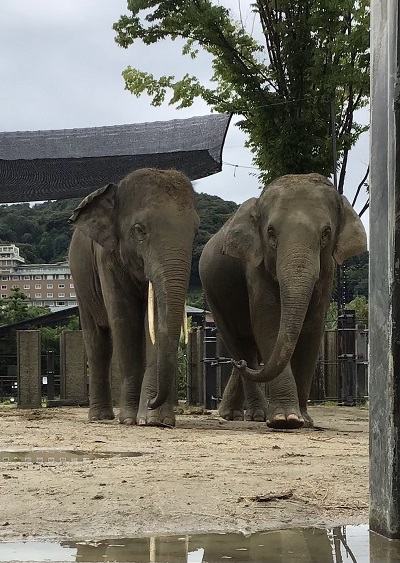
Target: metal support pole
50	375
384	352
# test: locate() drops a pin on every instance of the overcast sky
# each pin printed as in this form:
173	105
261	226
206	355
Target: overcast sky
60	68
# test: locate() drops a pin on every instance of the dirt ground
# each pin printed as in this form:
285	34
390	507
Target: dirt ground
206	474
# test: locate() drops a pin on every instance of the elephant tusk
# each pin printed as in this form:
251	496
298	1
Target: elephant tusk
150	313
185	326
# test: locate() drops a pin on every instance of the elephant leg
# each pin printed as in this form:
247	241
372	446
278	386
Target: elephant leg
232	403
164	415
284	411
98	347
303	364
129	351
255	401
242	395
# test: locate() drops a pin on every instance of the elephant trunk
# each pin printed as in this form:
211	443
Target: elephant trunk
297	273
170	294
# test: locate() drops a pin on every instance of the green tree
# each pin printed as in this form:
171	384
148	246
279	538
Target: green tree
356	276
17	308
50	337
310	52
360	305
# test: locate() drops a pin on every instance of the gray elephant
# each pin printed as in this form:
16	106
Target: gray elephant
267	276
130	258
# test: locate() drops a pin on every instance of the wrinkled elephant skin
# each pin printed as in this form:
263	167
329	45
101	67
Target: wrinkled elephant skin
267	275
124	237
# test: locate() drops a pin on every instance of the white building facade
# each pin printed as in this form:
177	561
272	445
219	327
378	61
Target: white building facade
45	285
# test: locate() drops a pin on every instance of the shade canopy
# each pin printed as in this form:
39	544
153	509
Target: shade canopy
70	163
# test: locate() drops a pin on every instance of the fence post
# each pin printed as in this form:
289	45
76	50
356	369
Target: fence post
195	368
29	369
346	357
73	370
50	375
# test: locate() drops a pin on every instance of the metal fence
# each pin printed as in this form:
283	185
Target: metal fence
50	380
341	373
30	377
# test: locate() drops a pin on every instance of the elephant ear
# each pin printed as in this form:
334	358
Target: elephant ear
242	238
352	239
94	216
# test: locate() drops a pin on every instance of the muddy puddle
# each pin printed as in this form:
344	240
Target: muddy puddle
58	456
344	544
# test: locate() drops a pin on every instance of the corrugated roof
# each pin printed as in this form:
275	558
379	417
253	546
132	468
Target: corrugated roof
42	165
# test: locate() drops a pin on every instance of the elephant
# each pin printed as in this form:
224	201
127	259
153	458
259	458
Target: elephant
130	258
267	275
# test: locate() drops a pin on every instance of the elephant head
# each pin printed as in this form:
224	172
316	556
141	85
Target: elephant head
146	226
291	234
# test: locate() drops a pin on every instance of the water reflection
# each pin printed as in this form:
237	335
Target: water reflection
353	544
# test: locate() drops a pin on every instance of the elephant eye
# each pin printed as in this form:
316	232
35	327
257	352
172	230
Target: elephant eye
139	231
326	235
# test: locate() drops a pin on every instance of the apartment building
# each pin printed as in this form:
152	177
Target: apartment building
46	285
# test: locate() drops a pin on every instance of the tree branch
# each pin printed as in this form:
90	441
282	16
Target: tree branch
364	209
360	185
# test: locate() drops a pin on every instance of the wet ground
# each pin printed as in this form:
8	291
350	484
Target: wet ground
309	545
82	485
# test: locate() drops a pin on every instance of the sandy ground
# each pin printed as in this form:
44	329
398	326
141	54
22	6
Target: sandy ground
206	474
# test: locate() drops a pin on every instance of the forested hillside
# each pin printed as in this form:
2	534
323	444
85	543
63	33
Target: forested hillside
42	232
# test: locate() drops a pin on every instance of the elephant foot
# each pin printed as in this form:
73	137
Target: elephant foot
231	414
127	416
308	421
284	418
101	413
163	416
256	414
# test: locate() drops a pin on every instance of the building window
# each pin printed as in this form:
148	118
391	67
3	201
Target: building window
50	295
50	303
28	294
3	287
27	277
60	303
15	277
4	278
38	277
49	286
3	295
38	295
71	286
61	285
38	286
27	286
61	295
14	287
72	294
49	277
61	277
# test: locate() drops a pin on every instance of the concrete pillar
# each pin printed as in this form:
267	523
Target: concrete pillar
29	369
73	367
384	355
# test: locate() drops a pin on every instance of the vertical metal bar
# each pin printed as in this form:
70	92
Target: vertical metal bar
50	375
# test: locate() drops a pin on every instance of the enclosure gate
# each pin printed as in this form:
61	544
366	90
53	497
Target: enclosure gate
341	374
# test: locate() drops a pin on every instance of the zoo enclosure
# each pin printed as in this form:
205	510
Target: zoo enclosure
341	373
